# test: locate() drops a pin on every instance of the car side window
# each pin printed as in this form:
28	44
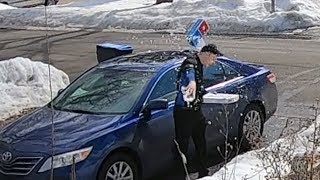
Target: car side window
213	75
166	87
230	73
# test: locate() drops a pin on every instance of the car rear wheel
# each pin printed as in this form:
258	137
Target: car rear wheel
251	127
119	167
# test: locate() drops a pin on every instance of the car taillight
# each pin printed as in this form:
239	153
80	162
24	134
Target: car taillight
272	78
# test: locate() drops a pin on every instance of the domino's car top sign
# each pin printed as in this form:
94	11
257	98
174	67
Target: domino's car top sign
195	36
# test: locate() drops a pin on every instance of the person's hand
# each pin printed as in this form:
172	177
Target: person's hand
191	89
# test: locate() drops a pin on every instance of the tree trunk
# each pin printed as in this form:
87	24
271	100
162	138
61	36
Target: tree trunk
163	1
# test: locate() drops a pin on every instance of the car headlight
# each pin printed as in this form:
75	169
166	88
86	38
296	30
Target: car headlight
66	159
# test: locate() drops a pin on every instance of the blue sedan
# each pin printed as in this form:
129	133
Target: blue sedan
115	121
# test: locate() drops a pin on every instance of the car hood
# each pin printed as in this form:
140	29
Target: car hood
71	130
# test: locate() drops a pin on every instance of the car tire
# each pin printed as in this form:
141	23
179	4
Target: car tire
251	127
119	162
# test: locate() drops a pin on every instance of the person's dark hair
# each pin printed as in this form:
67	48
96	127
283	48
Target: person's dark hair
212	49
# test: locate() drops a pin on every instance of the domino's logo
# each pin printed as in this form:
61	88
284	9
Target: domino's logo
197	32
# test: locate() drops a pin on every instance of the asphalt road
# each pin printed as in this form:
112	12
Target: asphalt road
296	62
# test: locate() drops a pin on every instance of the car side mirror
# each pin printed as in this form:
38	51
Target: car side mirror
157	104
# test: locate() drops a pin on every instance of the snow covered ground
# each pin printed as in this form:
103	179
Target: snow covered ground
254	166
25	84
224	16
3	7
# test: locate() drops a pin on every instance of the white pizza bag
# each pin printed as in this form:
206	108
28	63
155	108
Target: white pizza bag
220	98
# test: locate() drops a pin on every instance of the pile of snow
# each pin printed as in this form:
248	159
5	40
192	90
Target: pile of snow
4	6
229	16
109	4
253	165
25	84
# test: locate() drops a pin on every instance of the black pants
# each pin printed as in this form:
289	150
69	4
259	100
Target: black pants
190	123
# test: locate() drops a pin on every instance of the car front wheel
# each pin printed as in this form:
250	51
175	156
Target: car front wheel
119	167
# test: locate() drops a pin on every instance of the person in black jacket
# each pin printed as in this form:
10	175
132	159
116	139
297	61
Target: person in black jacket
188	118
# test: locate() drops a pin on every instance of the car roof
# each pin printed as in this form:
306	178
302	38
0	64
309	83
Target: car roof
152	61
148	61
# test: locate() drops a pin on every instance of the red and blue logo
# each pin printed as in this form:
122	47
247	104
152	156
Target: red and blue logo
197	32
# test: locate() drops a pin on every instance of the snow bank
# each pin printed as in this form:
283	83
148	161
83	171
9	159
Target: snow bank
4	6
224	16
252	165
112	4
25	83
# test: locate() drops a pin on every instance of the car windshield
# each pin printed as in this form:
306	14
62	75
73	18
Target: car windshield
104	90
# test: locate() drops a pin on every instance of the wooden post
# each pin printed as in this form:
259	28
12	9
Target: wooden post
273	6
